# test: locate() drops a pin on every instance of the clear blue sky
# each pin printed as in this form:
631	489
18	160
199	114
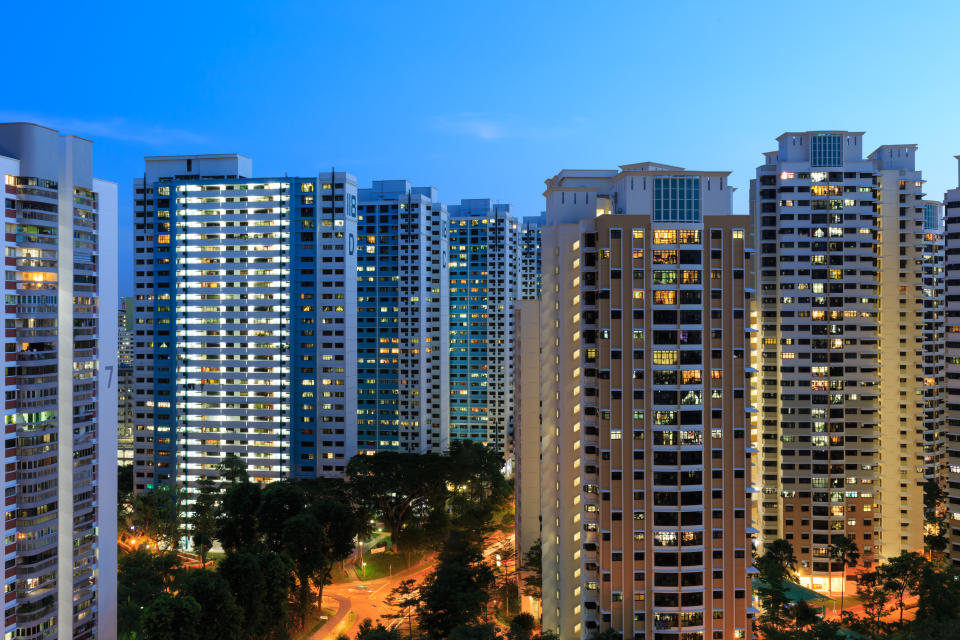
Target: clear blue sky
482	99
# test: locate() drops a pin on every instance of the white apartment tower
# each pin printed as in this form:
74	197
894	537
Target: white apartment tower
645	386
60	340
246	335
402	319
484	285
850	326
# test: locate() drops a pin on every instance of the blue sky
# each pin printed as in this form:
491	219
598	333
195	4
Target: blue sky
482	99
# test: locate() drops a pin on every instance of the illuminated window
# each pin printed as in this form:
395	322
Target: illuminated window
688	236
638	234
665	297
665	357
738	234
306	187
690	276
664	276
664	256
664	236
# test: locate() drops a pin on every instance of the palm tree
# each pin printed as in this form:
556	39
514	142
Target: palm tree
781	552
846	551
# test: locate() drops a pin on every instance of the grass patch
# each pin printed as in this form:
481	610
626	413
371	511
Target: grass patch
384	564
314	623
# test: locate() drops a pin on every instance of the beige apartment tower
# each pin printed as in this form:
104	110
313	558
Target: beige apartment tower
644	368
850	281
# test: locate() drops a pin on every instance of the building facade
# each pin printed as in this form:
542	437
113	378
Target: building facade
951	209
847	290
402	319
645	385
60	382
484	286
530	257
246	338
526	434
125	324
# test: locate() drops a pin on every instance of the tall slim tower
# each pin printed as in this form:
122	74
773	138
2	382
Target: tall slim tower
403	322
125	324
645	385
61	385
951	204
246	345
530	258
848	329
484	285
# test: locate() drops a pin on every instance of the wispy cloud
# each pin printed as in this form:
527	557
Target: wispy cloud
471	126
116	128
486	127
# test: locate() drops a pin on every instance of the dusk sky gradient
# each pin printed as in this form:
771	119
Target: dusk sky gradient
481	99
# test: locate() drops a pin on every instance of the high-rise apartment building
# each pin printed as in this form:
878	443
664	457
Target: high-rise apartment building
402	319
933	300
951	207
484	285
530	257
644	366
849	416
59	309
125	324
246	339
526	433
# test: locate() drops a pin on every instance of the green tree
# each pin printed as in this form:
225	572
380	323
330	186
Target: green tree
233	469
315	541
204	519
846	552
474	632
456	592
934	517
404	598
171	617
220	618
237	524
902	575
279	502
775	569
157	515
532	570
260	584
141	578
522	627
399	487
873	594
476	473
366	631
124	483
938	593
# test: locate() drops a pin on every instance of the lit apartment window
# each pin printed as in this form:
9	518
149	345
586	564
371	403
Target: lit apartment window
664	236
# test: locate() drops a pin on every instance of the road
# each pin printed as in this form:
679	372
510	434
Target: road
365	598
